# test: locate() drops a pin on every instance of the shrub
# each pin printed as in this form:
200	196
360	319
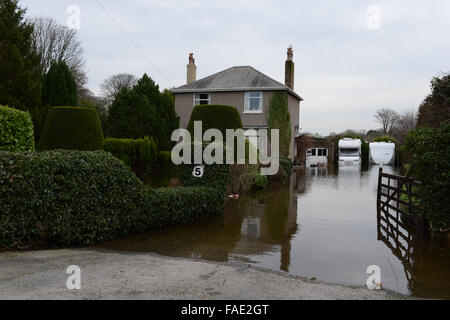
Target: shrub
16	130
163	159
62	198
74	128
242	177
66	198
214	175
221	117
136	153
180	204
431	165
286	163
260	181
280	175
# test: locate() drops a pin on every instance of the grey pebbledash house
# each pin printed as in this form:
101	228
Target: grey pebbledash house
243	87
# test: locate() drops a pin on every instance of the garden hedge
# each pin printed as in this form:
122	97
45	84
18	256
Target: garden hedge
71	198
214	175
16	130
73	128
217	116
133	152
431	165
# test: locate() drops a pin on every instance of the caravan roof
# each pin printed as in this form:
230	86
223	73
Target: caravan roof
349	143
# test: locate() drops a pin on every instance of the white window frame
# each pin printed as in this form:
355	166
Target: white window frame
309	152
196	101
247	97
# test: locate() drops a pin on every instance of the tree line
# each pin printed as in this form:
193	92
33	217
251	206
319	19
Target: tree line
42	65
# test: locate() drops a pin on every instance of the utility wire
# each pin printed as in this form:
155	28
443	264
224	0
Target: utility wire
132	41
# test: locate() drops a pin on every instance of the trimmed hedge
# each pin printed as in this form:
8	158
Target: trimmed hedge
16	130
214	175
71	198
181	204
73	128
217	116
133	152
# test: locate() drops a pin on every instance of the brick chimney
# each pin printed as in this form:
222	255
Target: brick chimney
191	69
289	69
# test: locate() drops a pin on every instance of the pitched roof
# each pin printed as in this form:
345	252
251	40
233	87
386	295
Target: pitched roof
242	78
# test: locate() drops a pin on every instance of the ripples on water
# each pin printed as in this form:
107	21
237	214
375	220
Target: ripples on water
322	224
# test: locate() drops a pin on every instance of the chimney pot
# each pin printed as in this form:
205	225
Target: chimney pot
191	75
289	69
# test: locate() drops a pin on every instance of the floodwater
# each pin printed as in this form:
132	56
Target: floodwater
321	224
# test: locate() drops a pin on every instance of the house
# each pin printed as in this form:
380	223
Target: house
243	87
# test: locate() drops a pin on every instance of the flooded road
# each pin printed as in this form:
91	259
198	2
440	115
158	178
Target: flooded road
322	224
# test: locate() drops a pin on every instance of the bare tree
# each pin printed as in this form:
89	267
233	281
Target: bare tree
111	86
55	43
387	118
405	123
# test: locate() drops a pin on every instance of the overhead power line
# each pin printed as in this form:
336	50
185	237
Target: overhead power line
132	41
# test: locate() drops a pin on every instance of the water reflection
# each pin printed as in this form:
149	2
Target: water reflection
425	265
322	224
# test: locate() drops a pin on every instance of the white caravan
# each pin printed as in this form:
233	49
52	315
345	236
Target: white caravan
382	153
349	150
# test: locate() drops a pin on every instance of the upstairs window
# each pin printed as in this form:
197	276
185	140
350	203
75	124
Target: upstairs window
202	98
253	102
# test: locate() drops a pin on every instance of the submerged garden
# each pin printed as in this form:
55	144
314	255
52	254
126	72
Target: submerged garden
76	170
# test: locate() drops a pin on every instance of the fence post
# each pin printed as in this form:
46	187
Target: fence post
380	174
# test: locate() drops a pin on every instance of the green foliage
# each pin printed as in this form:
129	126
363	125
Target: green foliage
279	118
216	116
281	175
136	153
181	204
20	71
215	176
260	181
435	109
385	139
72	198
16	130
75	128
242	178
143	111
164	159
286	163
63	198
431	166
59	87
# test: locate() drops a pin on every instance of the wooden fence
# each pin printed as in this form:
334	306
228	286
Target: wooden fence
400	220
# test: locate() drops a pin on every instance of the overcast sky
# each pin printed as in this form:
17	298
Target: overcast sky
346	63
